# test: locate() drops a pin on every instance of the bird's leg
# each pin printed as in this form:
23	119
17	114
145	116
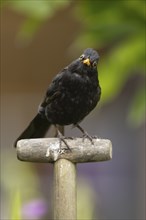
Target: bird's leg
85	134
62	138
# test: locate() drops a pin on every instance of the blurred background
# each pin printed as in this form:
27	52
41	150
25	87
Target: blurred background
39	38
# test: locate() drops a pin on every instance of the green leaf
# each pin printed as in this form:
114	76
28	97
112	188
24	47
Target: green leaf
138	108
36	13
28	29
16	206
86	198
38	9
116	68
108	21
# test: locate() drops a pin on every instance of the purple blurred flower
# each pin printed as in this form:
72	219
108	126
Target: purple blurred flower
35	209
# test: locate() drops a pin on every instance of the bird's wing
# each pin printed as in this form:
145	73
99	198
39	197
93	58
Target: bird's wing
53	91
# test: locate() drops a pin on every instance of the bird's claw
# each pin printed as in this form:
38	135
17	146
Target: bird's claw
62	139
64	150
90	138
85	134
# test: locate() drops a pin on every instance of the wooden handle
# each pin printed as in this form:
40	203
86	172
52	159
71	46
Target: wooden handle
46	150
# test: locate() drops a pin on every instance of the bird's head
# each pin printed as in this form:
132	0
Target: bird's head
89	58
86	64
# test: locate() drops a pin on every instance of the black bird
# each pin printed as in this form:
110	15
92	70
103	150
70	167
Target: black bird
72	95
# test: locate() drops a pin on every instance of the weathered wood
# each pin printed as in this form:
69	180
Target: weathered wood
64	190
46	150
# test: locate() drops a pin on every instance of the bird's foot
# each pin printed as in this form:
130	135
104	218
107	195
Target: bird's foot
62	139
63	150
85	134
90	138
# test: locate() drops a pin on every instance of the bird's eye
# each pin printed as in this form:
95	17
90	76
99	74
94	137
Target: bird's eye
94	64
82	57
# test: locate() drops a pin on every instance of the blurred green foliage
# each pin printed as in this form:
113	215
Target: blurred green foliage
20	183
16	206
118	28
86	198
115	27
37	12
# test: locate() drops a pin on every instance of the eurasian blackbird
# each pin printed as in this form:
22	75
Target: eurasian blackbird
72	95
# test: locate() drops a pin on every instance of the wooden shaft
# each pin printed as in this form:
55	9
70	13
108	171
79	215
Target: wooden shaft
65	190
65	201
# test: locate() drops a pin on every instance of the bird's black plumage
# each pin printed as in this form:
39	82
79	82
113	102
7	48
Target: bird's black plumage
72	94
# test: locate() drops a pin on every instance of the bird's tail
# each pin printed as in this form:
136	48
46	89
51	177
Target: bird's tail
36	129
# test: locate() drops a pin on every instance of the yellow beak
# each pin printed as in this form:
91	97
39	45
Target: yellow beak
87	62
